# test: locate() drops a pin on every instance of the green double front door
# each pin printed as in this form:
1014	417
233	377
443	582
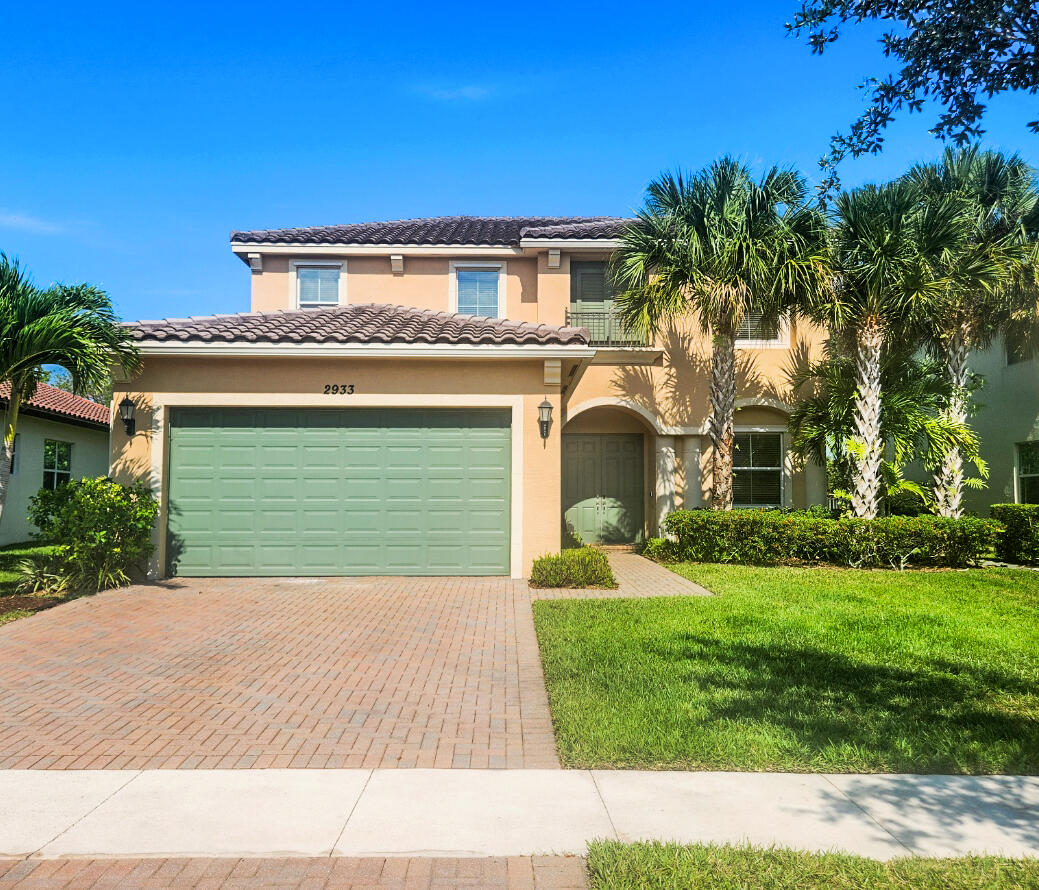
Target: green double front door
603	487
339	492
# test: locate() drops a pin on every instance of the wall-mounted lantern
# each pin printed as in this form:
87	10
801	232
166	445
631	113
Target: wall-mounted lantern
126	409
545	418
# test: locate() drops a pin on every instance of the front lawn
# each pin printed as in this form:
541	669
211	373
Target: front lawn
12	604
653	866
802	670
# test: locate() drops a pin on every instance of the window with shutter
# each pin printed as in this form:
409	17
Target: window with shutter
757	474
478	291
754	329
317	286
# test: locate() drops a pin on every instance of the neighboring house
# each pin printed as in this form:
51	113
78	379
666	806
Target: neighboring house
378	411
59	437
1008	425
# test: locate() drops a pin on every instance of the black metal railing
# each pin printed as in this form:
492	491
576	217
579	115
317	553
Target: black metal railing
605	327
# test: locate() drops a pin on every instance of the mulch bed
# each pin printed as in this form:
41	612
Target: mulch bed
28	603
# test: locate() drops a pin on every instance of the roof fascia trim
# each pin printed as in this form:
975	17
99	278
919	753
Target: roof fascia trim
361	350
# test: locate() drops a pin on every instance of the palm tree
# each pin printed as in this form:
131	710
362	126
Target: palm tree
720	245
890	252
996	265
913	422
73	327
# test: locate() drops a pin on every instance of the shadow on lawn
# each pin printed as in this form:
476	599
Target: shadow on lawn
942	717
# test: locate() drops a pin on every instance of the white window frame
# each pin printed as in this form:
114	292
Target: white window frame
781	341
54	470
785	465
1018	475
455	265
296	265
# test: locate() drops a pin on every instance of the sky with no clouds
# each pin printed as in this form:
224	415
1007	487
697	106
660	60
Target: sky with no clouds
137	136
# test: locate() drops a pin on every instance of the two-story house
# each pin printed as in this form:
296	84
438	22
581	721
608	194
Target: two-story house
436	396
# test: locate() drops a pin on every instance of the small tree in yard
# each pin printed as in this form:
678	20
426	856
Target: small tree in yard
71	326
720	245
889	253
995	280
913	422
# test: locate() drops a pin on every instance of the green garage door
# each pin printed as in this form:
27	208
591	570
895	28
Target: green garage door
338	492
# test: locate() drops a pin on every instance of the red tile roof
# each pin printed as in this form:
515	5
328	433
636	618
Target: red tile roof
59	402
472	230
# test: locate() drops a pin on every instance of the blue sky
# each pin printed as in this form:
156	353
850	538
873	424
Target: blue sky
138	135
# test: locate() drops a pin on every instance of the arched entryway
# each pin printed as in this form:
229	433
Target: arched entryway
604	476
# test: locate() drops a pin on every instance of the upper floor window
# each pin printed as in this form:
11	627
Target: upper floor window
755	331
757	470
1028	473
590	286
477	290
57	463
317	286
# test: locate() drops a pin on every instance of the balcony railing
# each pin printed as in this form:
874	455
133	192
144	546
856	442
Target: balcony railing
605	327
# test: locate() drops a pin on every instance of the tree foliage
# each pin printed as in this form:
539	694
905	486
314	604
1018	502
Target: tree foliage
950	52
717	246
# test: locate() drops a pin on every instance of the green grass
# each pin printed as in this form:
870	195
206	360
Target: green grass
802	670
654	866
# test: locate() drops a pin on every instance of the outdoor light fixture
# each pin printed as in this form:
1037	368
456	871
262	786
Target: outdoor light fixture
545	418
126	409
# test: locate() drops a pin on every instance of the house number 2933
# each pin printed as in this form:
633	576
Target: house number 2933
335	389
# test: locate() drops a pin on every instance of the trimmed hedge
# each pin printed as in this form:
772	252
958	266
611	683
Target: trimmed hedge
772	537
580	567
1020	539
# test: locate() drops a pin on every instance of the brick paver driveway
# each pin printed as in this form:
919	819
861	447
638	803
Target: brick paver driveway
219	673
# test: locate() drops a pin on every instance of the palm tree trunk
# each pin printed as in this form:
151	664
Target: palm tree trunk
866	457
723	408
7	451
948	480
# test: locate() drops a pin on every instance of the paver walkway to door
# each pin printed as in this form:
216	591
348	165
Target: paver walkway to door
240	673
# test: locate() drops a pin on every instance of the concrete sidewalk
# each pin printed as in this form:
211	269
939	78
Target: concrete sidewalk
418	812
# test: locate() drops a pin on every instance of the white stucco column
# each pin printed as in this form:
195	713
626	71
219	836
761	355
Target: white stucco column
665	463
692	495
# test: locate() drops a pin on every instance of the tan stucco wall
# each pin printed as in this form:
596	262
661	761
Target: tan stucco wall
673	398
89	458
296	382
424	284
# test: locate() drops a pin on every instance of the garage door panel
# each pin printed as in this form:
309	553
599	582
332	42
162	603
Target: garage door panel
339	491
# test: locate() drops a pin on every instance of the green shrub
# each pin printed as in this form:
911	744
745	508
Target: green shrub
102	530
1019	541
660	549
581	567
769	537
41	574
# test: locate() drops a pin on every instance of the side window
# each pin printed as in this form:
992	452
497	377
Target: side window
57	463
753	329
1028	473
1018	348
317	286
757	474
14	454
478	290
